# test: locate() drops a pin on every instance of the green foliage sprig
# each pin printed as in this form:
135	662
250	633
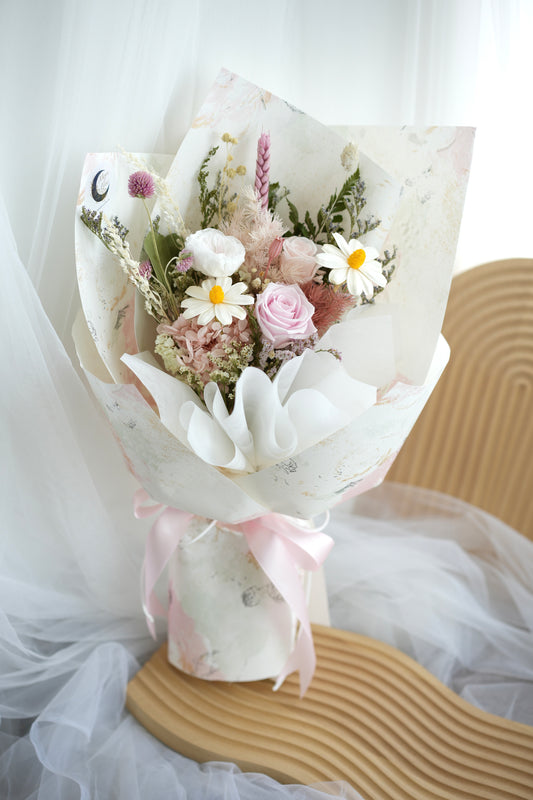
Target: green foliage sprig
93	220
208	198
216	203
387	267
350	201
276	194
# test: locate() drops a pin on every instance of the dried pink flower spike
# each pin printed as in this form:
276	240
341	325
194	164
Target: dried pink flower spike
275	249
141	184
273	252
262	169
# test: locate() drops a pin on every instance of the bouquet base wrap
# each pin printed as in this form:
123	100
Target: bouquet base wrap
226	619
238	593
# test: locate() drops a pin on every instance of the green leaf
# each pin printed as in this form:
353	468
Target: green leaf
310	227
349	183
293	215
167	247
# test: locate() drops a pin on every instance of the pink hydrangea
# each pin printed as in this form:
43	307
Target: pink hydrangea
198	342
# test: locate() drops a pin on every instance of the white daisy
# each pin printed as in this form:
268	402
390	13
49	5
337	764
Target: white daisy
216	298
353	263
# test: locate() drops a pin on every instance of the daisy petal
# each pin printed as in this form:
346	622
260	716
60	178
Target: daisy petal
371	253
206	316
225	284
331	260
329	248
196	291
238	287
223	313
246	300
354	283
342	244
368	287
235	294
338	276
355	244
189	313
373	272
236	311
196	305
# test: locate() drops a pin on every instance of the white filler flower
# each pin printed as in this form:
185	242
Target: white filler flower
216	298
354	263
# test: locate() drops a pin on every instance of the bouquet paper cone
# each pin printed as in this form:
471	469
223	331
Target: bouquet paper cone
346	426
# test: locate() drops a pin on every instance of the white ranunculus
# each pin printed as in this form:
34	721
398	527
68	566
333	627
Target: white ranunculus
215	254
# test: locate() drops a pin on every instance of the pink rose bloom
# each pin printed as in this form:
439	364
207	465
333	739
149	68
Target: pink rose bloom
297	261
284	314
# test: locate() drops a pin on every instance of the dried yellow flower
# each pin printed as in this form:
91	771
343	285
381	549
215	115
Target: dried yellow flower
226	137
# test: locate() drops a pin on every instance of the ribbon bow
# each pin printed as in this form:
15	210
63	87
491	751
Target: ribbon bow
280	547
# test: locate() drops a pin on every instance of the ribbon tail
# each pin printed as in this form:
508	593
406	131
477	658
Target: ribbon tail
278	557
302	660
148	616
163	539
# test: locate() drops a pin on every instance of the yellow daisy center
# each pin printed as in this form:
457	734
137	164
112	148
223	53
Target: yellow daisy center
216	295
356	259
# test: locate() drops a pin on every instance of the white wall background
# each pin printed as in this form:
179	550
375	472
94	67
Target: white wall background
82	76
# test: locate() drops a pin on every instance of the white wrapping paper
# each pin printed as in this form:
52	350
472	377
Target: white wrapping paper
226	620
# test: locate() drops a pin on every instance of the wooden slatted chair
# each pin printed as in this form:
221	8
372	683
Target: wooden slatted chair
474	439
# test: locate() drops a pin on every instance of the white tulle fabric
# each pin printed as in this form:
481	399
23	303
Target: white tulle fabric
445	583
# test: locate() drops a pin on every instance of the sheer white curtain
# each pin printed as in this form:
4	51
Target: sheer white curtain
81	76
92	76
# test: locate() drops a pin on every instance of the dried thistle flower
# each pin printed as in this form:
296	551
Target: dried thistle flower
141	184
145	270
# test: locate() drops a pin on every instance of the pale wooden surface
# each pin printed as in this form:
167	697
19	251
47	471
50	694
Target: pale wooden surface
372	716
474	439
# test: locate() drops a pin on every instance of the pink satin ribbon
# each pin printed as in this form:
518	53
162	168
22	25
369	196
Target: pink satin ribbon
279	546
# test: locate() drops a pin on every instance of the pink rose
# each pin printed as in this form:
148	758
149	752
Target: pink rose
284	313
297	261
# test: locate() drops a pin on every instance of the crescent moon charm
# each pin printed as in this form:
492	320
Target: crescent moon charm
100	186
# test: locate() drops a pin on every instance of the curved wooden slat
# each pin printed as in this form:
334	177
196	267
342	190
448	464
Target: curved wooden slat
474	439
372	717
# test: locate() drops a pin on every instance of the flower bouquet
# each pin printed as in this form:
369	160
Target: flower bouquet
262	330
